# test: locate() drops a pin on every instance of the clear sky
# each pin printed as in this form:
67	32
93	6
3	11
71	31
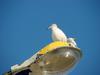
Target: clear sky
24	30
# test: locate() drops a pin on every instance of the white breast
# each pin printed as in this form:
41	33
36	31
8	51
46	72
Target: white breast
58	35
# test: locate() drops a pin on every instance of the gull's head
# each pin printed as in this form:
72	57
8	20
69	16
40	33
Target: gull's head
72	39
53	26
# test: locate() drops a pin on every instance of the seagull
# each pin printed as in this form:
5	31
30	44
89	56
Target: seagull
57	33
72	42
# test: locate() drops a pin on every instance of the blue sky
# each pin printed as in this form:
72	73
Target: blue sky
24	30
